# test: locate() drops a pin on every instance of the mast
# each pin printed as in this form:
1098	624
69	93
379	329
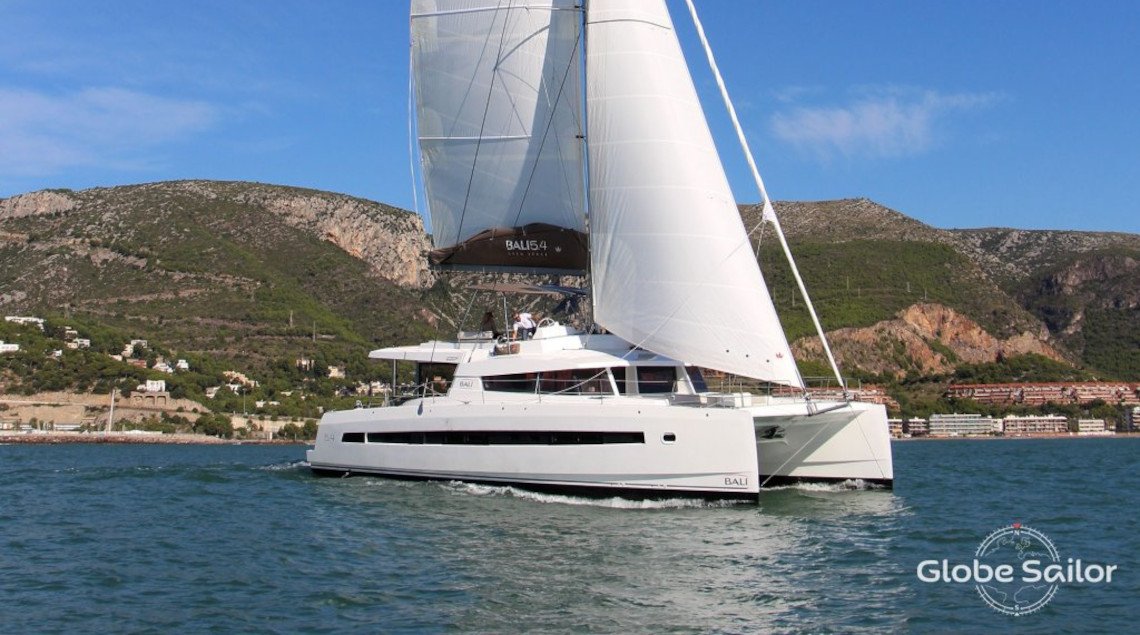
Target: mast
585	8
769	213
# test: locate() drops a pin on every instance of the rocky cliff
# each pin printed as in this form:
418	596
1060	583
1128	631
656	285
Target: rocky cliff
228	261
392	241
925	339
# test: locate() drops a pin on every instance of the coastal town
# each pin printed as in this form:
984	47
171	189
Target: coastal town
72	414
1024	394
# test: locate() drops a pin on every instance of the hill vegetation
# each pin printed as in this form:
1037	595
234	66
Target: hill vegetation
203	270
251	278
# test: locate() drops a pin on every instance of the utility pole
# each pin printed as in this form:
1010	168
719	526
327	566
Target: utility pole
111	416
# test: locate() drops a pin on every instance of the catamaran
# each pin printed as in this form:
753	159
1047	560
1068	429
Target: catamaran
562	137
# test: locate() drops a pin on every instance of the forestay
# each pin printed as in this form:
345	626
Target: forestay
672	268
498	106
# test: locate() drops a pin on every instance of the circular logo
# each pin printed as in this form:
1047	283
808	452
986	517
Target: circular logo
1013	546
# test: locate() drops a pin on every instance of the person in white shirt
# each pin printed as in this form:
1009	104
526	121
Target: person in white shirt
524	326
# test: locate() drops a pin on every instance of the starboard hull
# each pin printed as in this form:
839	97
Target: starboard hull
849	444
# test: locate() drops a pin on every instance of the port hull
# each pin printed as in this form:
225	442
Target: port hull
632	448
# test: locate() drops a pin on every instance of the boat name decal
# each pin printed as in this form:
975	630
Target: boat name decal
526	245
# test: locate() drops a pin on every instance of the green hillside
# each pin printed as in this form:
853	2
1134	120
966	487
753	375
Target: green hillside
860	282
203	274
255	276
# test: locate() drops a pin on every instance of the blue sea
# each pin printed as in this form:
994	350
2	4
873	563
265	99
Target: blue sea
242	539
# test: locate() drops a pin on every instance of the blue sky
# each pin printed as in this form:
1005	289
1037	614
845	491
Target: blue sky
961	114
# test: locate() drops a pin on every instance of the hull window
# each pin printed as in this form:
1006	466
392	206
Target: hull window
498	437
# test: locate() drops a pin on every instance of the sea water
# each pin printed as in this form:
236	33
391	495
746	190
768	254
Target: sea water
229	539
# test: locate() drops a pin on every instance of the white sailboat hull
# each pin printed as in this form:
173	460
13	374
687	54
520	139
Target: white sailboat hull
849	444
683	451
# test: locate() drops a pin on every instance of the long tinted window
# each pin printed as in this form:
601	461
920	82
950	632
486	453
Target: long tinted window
578	381
502	437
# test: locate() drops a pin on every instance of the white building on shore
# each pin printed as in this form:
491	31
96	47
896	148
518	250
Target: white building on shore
1028	425
963	425
1092	427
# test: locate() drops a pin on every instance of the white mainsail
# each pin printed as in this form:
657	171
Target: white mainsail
498	105
672	268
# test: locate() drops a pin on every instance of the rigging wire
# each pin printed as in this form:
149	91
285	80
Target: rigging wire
768	213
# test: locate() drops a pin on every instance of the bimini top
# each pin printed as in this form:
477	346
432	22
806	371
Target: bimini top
556	344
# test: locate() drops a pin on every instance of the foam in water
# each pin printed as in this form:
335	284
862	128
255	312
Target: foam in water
290	465
850	485
612	503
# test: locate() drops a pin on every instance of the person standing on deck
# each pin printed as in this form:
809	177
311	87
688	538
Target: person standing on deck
488	325
524	326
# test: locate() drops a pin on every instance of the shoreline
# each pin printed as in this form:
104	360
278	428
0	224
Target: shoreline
1025	437
123	438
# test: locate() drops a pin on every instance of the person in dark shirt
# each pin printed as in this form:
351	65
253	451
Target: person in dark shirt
488	324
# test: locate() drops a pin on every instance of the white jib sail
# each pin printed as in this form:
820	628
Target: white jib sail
499	116
672	267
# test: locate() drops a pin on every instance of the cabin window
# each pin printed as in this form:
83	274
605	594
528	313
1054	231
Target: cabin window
578	381
352	437
619	379
656	379
438	376
521	382
698	380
